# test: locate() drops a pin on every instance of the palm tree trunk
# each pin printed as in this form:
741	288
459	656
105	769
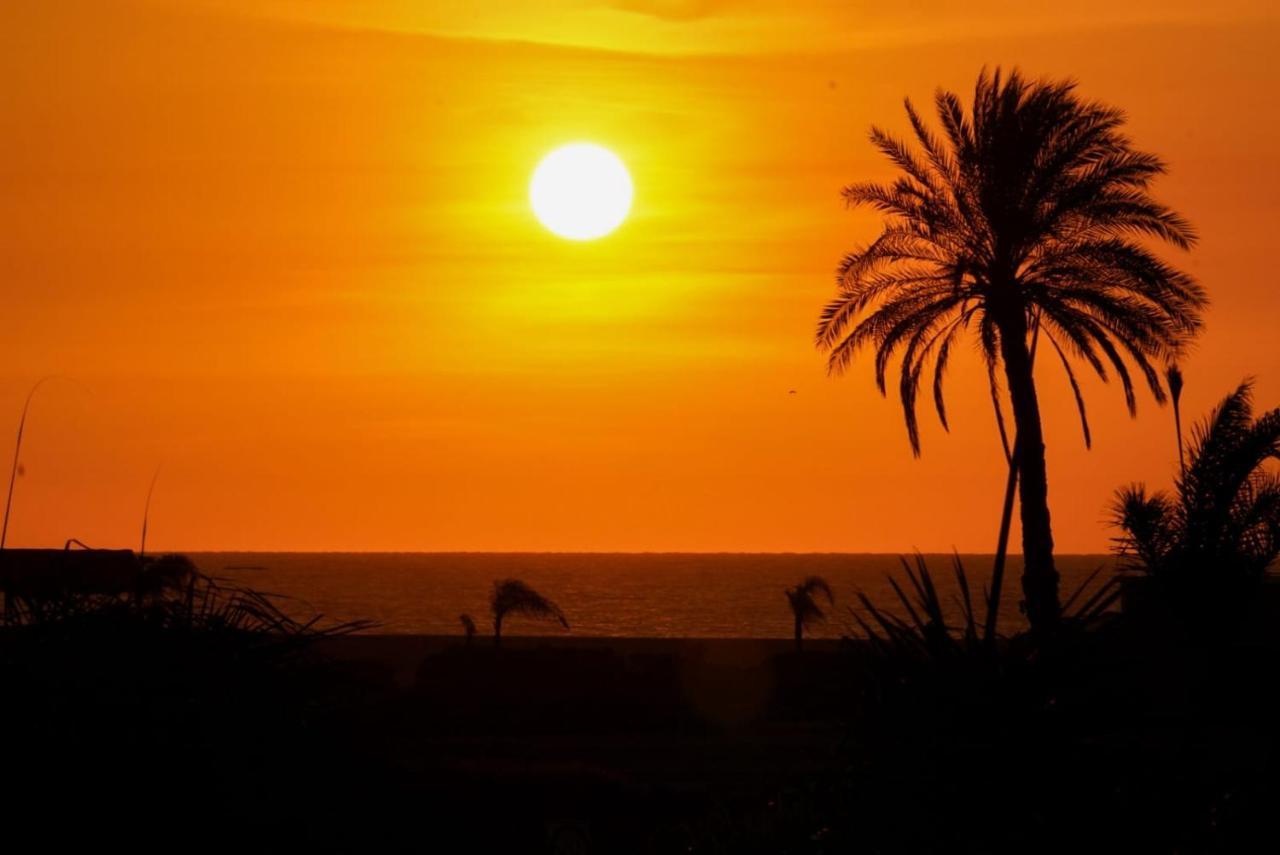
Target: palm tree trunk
1002	548
1173	376
497	629
1006	514
1039	576
1177	425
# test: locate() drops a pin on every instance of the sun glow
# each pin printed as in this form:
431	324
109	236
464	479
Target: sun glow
581	191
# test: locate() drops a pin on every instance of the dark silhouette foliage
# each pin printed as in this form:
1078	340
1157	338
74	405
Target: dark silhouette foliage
920	624
1219	530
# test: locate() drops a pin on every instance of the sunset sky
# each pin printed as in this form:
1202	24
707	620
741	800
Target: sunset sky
283	249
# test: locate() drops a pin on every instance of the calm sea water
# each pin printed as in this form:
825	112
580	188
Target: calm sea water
647	594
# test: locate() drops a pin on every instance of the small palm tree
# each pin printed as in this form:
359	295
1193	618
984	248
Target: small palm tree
1026	218
804	605
513	597
468	627
1220	529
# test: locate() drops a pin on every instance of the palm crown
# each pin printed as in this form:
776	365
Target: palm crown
804	605
513	597
1033	206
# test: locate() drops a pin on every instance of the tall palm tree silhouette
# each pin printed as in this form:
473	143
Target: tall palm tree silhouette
513	597
1028	213
804	605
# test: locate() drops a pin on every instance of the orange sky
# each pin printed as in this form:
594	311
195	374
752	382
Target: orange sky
284	248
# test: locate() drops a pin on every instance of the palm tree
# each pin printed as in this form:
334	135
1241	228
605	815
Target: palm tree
513	597
1220	529
1029	212
804	607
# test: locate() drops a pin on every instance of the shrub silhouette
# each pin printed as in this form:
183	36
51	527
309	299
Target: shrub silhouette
1219	530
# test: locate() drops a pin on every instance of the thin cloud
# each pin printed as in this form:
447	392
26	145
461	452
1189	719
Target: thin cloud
671	10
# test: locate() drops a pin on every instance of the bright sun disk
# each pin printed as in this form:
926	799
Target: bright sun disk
581	191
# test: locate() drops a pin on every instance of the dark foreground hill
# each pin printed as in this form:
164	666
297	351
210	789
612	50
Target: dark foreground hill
120	733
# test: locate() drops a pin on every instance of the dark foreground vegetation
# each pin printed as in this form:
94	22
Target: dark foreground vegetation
224	726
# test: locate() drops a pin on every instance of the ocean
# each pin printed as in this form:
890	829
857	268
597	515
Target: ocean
696	595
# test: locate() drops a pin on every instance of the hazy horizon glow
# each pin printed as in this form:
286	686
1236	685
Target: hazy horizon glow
286	249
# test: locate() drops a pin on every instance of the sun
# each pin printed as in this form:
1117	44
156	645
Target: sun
581	191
